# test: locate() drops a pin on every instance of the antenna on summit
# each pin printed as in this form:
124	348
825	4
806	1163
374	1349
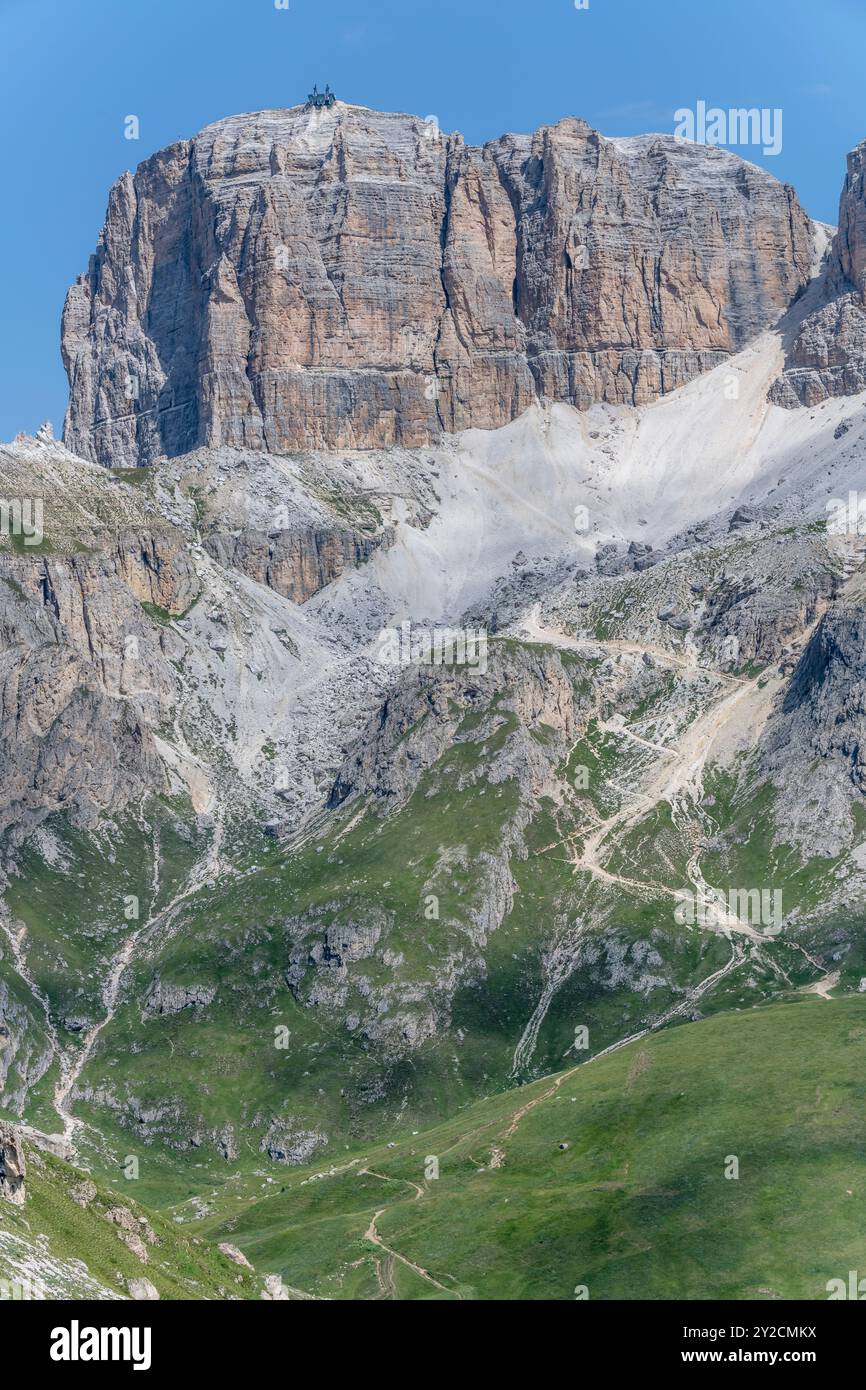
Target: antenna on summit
317	100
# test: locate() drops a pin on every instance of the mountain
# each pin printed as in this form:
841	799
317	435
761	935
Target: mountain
827	353
349	278
438	663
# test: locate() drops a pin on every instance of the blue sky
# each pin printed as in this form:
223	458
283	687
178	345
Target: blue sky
72	70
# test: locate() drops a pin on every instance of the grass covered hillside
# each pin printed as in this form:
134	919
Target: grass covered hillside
72	1239
608	1177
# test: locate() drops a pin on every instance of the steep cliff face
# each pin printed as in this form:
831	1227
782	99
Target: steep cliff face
828	355
82	680
12	1166
351	278
296	564
86	674
814	747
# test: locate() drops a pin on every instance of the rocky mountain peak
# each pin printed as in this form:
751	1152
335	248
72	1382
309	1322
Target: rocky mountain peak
341	278
851	237
827	351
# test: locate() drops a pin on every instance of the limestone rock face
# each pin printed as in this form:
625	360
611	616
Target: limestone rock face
12	1166
171	999
828	355
350	278
82	677
821	726
287	1144
295	563
156	569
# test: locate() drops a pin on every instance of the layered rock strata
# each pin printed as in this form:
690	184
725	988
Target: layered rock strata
351	278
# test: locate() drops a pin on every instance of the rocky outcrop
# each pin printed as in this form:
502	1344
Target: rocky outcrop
755	618
155	567
13	1168
163	999
814	747
285	1143
349	278
81	669
274	1291
232	1253
83	1193
828	353
133	1231
422	718
142	1290
295	563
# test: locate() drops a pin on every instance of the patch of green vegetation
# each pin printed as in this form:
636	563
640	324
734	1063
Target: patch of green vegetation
66	1220
137	477
159	615
598	752
24	545
744	853
356	508
654	849
613	1178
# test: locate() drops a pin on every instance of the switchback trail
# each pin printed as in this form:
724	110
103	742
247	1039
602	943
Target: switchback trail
384	1275
678	780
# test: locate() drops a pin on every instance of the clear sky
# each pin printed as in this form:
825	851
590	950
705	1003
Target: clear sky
72	70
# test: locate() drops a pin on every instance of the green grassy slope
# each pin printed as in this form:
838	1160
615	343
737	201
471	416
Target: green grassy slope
637	1206
62	1239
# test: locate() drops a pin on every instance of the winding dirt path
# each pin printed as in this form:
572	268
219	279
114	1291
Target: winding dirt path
384	1268
676	779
